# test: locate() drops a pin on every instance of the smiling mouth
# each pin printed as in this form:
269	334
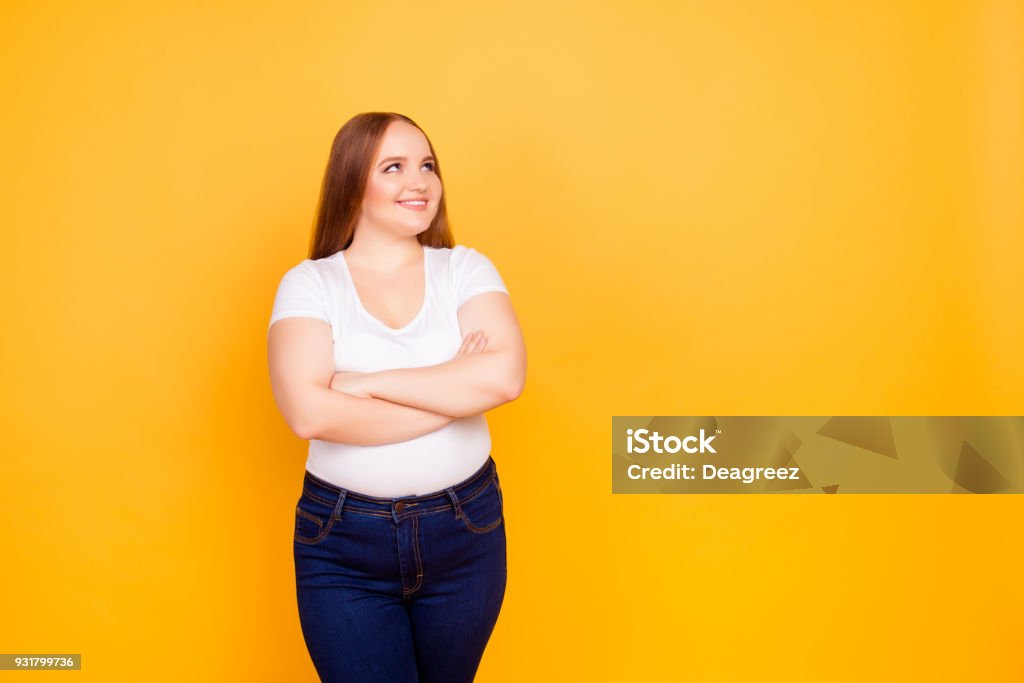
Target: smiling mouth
414	204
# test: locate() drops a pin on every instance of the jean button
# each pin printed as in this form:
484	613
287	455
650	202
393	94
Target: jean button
399	506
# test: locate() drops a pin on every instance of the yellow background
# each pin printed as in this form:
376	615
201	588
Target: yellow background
702	208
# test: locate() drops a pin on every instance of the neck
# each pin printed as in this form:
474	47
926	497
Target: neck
383	253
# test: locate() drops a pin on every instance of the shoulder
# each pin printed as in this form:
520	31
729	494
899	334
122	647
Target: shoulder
314	271
302	272
461	258
311	284
461	263
302	292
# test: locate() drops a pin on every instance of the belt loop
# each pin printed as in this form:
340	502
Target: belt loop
341	502
455	503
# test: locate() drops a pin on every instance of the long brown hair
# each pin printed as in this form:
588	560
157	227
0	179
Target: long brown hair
348	168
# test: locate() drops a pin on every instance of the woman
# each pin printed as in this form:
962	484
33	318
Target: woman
385	348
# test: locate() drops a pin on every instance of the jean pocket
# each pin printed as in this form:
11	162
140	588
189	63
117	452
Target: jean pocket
313	521
483	512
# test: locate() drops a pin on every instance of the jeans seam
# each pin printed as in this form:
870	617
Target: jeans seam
335	515
493	525
423	511
419	561
323	533
482	529
478	492
317	498
309	516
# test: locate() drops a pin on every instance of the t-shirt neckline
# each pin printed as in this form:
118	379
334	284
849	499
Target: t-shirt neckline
378	321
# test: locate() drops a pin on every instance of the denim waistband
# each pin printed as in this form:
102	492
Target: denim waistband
343	500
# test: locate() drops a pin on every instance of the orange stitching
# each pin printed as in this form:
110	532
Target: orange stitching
416	551
476	493
309	516
318	498
323	533
438	508
332	503
484	529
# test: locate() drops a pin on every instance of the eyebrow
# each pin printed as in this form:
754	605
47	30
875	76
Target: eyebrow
426	158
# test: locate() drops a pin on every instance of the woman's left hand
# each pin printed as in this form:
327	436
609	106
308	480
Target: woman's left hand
352	383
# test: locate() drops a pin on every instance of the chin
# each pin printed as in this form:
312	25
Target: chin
420	226
413	231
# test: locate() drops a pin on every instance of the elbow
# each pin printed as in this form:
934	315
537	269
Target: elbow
303	425
303	429
302	408
516	378
513	388
493	397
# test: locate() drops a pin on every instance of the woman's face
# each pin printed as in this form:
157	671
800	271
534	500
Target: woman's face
402	191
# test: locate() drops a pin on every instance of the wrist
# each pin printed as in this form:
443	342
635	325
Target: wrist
371	383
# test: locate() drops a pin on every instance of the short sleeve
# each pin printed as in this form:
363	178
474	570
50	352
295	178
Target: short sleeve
300	295
473	274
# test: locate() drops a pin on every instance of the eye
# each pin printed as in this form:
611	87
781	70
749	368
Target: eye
429	164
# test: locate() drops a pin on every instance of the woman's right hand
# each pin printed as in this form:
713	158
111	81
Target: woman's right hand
474	342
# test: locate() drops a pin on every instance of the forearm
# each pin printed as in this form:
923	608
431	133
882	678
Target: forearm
341	418
464	386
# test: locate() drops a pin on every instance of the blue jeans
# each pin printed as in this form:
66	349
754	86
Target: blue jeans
400	590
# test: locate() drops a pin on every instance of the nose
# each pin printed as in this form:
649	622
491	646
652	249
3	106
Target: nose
418	180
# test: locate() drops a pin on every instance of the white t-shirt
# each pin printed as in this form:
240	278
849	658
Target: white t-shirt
323	289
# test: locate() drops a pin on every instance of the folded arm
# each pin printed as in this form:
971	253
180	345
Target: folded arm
300	356
466	385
